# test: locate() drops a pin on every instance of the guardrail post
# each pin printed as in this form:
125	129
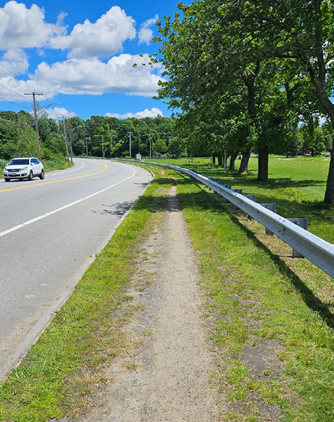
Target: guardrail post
251	197
271	207
303	223
219	182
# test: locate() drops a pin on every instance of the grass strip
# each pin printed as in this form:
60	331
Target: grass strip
296	185
271	317
66	363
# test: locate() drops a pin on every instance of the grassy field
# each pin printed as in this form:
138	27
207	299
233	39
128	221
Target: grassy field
270	317
296	185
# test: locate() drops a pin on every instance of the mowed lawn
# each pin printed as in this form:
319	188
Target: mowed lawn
296	185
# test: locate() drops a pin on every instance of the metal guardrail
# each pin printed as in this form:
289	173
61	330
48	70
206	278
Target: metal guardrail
317	250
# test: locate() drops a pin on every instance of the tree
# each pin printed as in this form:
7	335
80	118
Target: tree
160	146
298	32
176	147
209	68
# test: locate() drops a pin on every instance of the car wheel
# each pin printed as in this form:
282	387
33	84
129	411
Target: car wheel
6	179
30	176
41	176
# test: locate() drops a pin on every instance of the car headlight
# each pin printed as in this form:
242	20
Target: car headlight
25	168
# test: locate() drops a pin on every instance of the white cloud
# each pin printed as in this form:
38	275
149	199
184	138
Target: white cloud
21	27
93	77
145	33
59	112
14	61
154	112
102	38
25	28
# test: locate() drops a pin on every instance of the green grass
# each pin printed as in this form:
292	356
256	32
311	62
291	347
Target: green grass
296	185
62	368
259	296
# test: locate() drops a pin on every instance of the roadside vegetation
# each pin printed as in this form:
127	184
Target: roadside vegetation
269	317
296	185
66	364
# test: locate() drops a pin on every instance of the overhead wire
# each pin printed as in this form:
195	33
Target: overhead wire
21	125
10	73
4	99
16	93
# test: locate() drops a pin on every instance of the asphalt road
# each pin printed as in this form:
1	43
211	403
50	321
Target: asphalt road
49	231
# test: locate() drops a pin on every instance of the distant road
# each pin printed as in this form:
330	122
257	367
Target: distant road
49	231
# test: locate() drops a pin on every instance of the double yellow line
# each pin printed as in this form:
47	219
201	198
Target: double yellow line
58	181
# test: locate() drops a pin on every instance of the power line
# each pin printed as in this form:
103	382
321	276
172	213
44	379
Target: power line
4	99
10	73
20	125
16	93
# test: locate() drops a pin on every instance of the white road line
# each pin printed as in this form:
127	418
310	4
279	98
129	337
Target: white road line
70	170
27	223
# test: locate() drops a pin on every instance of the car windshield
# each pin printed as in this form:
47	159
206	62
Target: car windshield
19	161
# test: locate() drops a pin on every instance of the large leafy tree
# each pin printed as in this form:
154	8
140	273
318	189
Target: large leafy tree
300	32
209	66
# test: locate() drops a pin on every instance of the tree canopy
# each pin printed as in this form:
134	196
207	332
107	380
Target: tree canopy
264	63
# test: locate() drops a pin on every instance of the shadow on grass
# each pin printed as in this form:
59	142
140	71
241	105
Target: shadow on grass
201	201
317	212
312	301
249	179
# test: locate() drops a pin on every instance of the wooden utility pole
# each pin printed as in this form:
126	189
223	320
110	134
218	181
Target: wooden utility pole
102	147
150	136
130	133
138	142
71	144
36	124
68	158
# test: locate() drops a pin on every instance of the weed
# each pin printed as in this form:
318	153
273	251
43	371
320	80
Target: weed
132	366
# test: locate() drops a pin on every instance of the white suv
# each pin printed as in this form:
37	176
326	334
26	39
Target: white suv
23	168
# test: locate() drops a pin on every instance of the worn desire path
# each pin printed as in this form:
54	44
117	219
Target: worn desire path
171	371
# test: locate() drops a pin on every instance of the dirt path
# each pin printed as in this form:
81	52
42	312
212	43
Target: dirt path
167	377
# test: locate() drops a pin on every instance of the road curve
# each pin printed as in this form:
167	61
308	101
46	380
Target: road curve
49	231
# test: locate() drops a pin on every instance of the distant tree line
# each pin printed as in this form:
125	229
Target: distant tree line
98	136
110	137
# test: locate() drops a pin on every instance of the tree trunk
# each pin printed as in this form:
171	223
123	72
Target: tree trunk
318	79
244	161
232	161
225	161
263	161
329	194
213	159
220	160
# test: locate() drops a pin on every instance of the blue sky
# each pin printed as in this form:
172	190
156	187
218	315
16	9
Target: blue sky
80	54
